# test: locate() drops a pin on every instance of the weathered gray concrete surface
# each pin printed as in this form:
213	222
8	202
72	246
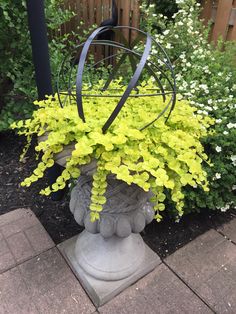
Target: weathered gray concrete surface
35	278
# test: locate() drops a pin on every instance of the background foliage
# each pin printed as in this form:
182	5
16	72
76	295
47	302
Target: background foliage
167	7
206	76
17	84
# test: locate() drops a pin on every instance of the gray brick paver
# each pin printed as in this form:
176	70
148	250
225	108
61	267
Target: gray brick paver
203	244
231	301
38	238
157	293
43	285
21	237
7	261
223	253
19	225
229	230
68	297
210	272
20	247
14	298
15	215
44	272
3	247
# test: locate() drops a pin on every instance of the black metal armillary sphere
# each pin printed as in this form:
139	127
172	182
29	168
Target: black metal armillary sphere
152	58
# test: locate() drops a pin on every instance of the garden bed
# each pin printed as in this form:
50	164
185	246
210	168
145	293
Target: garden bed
164	238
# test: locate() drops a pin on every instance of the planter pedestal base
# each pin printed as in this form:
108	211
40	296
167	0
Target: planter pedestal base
104	266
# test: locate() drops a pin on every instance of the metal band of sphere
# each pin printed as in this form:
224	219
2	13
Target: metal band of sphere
138	62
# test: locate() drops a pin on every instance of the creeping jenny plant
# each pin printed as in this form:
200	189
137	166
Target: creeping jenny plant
164	157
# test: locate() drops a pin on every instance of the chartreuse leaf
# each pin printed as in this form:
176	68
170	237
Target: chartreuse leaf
164	157
94	216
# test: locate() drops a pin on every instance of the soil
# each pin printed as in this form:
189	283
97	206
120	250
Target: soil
164	238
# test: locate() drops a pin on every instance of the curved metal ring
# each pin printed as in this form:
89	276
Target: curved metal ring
143	63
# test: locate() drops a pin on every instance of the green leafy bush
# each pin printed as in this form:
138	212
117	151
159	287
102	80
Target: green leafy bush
164	157
206	76
17	84
166	8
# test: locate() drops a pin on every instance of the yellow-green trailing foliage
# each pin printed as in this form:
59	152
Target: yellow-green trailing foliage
163	157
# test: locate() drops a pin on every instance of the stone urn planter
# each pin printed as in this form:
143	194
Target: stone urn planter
109	255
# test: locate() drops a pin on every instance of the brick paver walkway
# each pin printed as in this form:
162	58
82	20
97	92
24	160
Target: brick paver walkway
21	238
35	278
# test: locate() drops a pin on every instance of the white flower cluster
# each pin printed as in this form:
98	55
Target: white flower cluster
225	208
217	176
233	159
231	125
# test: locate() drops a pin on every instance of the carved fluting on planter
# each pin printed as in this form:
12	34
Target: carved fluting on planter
126	211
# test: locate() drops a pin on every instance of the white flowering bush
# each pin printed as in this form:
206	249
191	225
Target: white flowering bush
164	8
206	76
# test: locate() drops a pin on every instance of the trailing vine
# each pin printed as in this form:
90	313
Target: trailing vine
164	157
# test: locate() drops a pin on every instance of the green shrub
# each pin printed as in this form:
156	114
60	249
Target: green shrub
206	76
166	8
17	83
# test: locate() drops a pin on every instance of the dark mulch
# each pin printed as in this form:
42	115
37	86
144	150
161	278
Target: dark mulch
164	238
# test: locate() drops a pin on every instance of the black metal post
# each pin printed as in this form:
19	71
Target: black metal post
39	41
40	53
